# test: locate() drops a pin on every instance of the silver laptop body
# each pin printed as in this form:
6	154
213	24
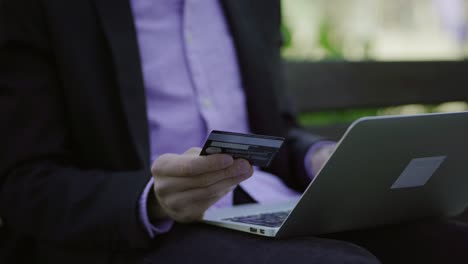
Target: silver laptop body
385	170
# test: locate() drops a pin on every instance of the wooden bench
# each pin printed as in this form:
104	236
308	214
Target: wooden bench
325	86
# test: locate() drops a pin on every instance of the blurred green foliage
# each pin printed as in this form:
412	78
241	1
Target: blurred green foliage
334	117
286	34
333	49
349	115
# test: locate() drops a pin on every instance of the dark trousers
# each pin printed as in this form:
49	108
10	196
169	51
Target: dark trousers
430	241
423	242
201	243
443	241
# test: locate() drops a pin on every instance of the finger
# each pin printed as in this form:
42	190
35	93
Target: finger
329	149
240	167
187	165
216	190
167	185
197	165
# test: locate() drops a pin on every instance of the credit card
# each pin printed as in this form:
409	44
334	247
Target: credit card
259	150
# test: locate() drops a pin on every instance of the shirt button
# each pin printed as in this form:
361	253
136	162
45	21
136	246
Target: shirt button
188	37
206	103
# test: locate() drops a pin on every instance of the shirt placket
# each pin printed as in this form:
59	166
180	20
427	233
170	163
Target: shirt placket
205	100
203	97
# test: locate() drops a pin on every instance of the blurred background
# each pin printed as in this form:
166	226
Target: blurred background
378	32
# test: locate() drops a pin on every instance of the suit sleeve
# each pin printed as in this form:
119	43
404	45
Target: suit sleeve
289	164
43	194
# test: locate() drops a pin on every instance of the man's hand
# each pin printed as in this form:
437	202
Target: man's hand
320	156
186	185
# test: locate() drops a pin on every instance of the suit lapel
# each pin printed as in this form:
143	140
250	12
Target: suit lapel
117	23
252	48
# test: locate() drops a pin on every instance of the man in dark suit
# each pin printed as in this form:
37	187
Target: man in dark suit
80	179
76	155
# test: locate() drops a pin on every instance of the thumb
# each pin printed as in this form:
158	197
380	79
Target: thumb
193	151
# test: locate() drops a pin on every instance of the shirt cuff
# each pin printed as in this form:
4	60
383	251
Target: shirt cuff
159	227
308	156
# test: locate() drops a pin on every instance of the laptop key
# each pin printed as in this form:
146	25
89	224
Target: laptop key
275	219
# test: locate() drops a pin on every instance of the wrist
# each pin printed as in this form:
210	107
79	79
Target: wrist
317	156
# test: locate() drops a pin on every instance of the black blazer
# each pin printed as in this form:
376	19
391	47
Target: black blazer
74	154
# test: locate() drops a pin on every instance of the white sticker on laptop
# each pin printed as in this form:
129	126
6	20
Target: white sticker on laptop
418	172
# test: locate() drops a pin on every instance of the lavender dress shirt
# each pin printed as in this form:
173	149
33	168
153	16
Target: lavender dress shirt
192	84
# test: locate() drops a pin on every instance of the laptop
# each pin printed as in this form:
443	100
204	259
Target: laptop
384	170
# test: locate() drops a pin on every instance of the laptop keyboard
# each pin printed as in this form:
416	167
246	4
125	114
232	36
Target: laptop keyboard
269	219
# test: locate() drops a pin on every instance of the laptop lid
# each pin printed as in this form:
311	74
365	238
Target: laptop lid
388	170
